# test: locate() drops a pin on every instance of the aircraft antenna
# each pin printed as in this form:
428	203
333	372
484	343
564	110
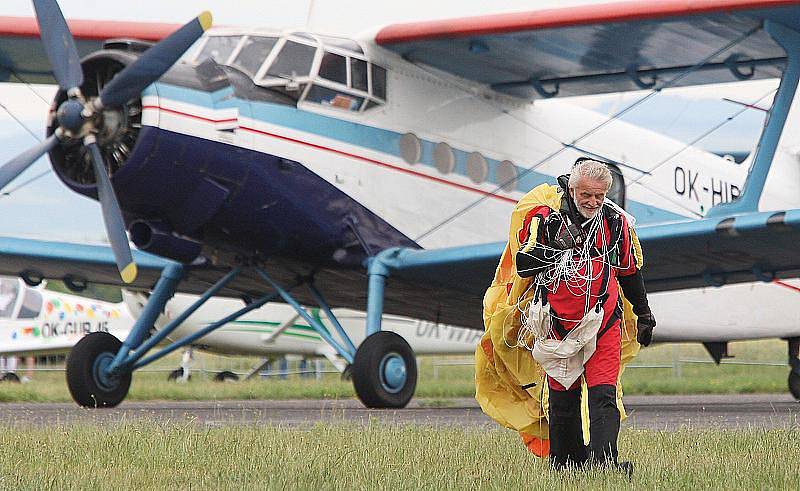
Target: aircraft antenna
653	92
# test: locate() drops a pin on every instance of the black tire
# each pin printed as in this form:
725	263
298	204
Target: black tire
367	371
176	375
794	384
83	372
10	377
226	376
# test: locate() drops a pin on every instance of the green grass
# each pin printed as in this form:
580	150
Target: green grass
156	456
452	381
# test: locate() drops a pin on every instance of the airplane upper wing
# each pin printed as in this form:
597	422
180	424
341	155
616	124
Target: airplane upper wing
22	52
447	285
602	48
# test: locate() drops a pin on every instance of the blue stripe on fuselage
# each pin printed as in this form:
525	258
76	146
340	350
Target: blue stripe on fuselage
370	137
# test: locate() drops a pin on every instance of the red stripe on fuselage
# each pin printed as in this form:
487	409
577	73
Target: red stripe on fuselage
786	285
193	116
342	153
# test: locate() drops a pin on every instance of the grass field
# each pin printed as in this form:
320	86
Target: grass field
158	456
452	381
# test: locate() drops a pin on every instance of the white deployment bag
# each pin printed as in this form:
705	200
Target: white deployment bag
564	359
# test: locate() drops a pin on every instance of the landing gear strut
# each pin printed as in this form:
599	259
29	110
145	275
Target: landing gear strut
383	368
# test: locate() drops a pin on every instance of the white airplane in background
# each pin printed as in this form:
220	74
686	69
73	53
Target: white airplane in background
264	161
36	321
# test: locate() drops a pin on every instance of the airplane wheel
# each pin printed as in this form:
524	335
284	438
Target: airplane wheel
87	383
794	384
226	376
10	377
384	371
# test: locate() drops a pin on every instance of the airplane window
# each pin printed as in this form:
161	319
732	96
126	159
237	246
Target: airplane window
333	68
379	82
333	98
506	175
358	74
9	288
617	191
253	54
219	48
31	305
294	60
444	158
410	148
476	167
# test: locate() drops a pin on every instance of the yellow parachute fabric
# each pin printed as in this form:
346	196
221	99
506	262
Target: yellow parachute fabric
509	385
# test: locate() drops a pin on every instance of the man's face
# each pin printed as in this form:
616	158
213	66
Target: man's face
588	195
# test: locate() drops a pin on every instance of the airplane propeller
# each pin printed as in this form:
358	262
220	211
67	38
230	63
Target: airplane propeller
79	119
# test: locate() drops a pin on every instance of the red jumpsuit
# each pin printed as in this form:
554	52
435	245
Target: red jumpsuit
568	302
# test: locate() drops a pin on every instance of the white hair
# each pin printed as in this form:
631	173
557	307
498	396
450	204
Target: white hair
590	169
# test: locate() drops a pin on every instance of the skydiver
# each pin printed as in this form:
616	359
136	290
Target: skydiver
580	255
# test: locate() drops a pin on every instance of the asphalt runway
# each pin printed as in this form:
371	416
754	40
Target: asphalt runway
646	412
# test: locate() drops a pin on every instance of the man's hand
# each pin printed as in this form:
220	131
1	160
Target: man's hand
570	238
644	328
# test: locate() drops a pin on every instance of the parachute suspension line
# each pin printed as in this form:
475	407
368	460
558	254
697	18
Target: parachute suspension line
564	146
705	134
571	269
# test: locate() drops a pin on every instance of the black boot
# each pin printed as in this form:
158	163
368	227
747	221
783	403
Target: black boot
566	437
604	426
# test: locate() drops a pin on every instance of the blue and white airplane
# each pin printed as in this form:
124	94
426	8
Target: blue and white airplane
380	171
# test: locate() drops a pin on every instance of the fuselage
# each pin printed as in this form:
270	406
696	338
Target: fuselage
242	150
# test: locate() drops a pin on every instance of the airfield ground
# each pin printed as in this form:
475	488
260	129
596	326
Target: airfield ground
442	442
181	456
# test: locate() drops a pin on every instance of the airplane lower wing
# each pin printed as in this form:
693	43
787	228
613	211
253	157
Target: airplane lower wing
447	285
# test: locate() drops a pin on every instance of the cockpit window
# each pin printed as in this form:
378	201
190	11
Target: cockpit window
379	82
294	60
253	53
358	74
219	48
9	289
31	305
334	68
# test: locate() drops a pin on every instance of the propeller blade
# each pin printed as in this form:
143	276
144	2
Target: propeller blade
153	63
112	215
18	164
58	44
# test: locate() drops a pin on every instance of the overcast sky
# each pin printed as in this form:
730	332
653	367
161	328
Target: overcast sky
46	209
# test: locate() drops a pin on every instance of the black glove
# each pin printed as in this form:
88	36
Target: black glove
644	328
570	238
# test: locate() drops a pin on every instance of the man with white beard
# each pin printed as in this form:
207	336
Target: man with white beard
580	255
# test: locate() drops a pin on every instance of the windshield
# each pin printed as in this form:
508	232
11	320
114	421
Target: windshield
253	53
294	60
219	48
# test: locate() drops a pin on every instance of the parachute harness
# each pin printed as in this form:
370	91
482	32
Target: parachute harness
573	269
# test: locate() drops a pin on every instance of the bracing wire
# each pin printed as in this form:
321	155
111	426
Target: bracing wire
653	92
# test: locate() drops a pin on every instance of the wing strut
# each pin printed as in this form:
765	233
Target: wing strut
789	39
